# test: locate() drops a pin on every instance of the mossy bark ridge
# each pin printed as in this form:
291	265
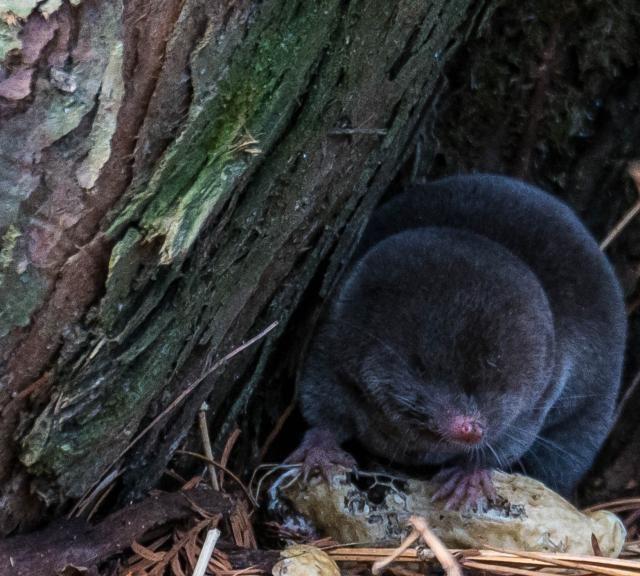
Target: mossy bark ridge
174	175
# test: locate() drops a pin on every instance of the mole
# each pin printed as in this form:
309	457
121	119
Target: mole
479	327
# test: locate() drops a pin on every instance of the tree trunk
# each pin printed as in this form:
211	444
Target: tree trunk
175	175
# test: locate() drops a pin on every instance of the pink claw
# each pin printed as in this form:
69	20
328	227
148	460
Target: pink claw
462	488
319	451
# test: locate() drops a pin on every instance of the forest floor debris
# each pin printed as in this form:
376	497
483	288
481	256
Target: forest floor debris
165	535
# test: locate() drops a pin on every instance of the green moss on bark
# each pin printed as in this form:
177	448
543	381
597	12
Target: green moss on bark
302	69
21	287
256	98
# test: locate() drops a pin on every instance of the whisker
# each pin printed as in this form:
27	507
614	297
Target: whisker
550	445
493	451
559	449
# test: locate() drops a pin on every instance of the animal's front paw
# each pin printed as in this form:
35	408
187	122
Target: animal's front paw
320	451
462	488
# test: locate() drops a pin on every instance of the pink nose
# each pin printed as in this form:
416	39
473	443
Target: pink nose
466	429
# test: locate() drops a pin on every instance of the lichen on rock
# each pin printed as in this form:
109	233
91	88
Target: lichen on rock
375	508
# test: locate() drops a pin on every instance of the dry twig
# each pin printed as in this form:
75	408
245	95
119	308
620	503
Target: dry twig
206	445
226	452
380	565
497	561
219	465
634	171
440	551
277	429
206	552
241	527
620	505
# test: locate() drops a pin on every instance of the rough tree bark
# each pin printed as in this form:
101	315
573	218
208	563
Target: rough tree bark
173	176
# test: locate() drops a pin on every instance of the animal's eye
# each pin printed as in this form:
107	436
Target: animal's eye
416	415
417	363
470	385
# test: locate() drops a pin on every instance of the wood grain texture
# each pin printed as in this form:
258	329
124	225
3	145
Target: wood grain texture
174	178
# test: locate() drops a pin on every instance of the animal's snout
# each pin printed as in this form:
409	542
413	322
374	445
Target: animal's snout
467	429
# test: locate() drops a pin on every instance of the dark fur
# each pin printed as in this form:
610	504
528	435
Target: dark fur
473	294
